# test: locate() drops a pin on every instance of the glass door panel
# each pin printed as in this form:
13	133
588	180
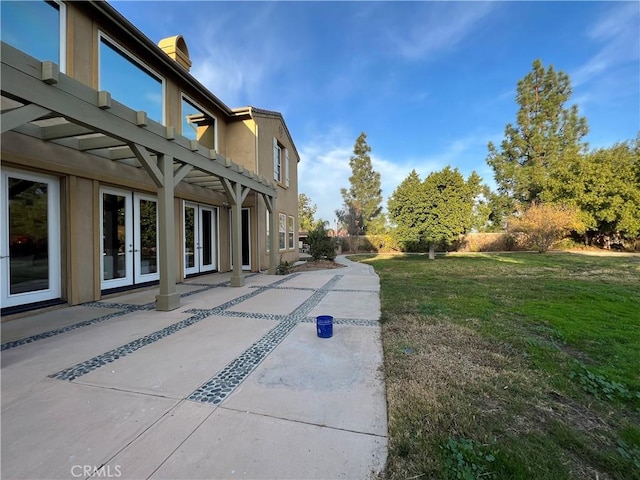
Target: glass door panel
246	235
117	243
28	236
30	243
191	250
245	242
146	239
208	235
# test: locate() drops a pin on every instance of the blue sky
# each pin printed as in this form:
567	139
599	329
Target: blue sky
431	83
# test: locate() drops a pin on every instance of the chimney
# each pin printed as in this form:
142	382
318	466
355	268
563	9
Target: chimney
177	49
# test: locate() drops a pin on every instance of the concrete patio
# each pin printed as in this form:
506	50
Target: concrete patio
233	384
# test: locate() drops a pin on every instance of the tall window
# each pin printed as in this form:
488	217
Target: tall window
291	236
197	124
283	231
268	224
286	166
130	81
277	161
36	28
280	156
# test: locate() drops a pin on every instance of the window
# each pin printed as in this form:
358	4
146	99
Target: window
36	28
130	81
280	154
286	166
268	224
277	161
283	231
197	124
291	225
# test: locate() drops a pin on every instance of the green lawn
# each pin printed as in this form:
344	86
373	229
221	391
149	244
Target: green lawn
512	365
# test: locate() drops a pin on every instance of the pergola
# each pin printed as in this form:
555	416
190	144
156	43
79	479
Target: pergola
39	101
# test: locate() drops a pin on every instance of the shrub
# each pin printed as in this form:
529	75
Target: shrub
320	244
544	224
487	242
284	267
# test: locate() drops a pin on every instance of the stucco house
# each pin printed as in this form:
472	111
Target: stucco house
121	170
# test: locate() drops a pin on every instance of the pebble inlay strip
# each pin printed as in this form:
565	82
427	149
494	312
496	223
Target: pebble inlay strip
223	383
80	369
124	307
69	328
94	363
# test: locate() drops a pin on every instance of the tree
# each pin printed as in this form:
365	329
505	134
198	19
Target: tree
435	211
306	211
545	136
605	185
544	224
363	199
407	212
500	208
320	245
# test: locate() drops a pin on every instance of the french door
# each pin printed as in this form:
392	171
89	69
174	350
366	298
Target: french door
246	236
30	238
145	238
129	232
200	238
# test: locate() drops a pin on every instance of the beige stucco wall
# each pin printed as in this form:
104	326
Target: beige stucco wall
241	143
82	240
287	201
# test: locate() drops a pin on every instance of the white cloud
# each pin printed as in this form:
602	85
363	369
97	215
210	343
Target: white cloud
324	167
233	61
440	27
323	170
618	33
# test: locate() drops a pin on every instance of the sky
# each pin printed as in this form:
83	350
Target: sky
430	83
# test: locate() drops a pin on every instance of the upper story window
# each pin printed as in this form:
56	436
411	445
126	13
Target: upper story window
37	28
286	167
280	163
198	124
277	161
130	81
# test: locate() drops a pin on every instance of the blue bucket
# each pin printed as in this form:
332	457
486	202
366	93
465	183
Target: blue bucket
324	323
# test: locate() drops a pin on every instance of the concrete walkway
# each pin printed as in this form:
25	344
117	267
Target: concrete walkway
234	384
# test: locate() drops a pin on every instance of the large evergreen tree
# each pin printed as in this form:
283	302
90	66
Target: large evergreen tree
435	211
546	135
363	199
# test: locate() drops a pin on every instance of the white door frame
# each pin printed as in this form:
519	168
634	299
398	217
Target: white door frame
128	249
139	277
54	289
214	238
198	237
